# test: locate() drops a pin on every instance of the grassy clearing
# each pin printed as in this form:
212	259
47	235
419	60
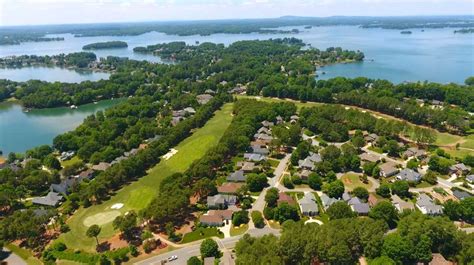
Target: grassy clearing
469	143
446	139
423	184
25	254
201	233
352	181
273	162
459	153
235	231
139	194
71	161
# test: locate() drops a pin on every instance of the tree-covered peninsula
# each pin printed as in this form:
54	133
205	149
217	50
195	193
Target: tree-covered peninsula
105	45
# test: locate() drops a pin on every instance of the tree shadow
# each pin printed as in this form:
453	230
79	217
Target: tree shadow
104	246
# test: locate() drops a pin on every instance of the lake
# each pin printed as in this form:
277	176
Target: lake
51	74
436	55
20	131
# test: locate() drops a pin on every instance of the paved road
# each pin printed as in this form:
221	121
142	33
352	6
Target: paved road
12	258
193	249
259	203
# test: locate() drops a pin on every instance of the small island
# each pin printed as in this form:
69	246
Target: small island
464	31
405	32
105	45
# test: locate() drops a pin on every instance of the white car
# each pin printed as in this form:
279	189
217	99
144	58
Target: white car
174	257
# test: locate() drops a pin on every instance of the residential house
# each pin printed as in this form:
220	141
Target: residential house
279	120
358	206
263	130
203	98
414	152
368	157
254	157
64	186
285	198
304	174
308	204
461	195
226	215
221	201
246	166
86	174
388	169
211	220
51	199
294	119
409	175
459	169
229	187
102	166
427	206
189	110
306	164
259	150
402	205
327	201
237	176
372	200
470	178
267	124
371	138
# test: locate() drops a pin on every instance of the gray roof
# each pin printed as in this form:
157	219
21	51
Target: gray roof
203	98
51	199
264	130
237	176
346	196
64	186
401	204
221	200
254	157
409	175
314	157
263	136
461	195
460	167
327	201
260	150
267	124
470	178
306	163
308	204
361	208
388	169
426	203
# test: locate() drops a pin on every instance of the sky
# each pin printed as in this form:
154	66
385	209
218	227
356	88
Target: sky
37	12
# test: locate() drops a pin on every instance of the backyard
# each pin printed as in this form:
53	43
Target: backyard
139	194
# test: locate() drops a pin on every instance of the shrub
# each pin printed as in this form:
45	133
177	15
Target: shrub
257	219
149	245
287	183
240	217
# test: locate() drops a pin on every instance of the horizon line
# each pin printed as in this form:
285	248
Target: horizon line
230	19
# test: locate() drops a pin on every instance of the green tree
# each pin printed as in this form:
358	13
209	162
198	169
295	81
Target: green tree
126	223
256	182
286	212
397	248
271	197
240	217
339	210
383	190
93	231
257	219
335	189
194	261
383	260
385	211
361	193
315	181
52	162
401	188
209	248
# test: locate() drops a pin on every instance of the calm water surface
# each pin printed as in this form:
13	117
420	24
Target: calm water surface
436	55
51	74
20	131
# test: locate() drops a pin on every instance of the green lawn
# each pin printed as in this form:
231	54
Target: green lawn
139	194
201	233
352	181
235	231
423	184
25	254
71	161
376	149
273	162
469	142
446	139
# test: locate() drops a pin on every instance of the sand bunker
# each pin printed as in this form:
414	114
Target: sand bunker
171	153
117	206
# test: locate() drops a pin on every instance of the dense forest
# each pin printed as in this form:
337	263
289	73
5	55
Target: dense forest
343	240
105	45
16	35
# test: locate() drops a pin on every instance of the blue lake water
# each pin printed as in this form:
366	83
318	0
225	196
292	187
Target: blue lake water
51	74
436	55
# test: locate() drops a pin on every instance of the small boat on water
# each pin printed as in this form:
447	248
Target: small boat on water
73	107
